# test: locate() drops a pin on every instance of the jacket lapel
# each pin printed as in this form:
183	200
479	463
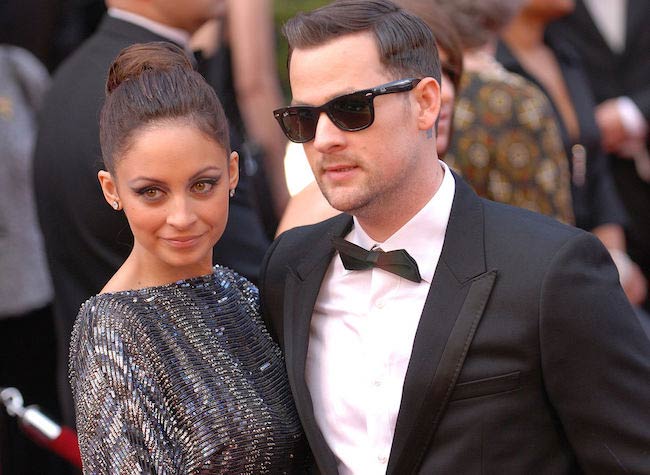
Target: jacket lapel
301	291
459	293
637	17
588	27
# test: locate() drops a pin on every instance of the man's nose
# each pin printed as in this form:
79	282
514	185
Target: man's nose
328	135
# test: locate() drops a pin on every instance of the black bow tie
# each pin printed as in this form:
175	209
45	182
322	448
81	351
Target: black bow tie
398	262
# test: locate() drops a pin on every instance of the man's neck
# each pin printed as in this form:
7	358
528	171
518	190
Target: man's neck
177	35
384	219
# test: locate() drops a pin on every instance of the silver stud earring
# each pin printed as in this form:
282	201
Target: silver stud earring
116	205
232	193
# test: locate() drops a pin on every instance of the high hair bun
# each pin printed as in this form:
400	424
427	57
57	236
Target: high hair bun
136	59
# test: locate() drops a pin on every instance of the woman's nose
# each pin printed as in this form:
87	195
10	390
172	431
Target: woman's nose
181	213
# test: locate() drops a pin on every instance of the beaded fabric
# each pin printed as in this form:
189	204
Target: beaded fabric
182	379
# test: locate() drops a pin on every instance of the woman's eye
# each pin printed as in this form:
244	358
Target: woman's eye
150	193
203	186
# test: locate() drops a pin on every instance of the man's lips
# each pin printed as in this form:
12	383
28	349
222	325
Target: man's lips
339	173
339	168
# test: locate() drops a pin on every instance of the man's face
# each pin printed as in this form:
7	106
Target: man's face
369	172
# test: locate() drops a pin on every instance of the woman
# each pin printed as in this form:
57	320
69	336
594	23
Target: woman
552	64
171	367
507	143
309	205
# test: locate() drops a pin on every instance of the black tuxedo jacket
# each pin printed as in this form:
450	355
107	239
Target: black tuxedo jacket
86	241
527	357
613	74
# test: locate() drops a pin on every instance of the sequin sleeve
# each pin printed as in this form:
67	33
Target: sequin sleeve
115	416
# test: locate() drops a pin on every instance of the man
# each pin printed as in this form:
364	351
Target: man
86	241
613	42
511	348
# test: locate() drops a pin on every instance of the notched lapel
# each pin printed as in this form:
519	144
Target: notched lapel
636	19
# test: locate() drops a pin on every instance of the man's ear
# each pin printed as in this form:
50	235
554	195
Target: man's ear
427	95
109	188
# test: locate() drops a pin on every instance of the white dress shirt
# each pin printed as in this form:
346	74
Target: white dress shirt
610	18
361	336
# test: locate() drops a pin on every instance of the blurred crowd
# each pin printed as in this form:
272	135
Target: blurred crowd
546	106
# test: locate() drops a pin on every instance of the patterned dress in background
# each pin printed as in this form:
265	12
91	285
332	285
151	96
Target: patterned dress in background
182	379
507	145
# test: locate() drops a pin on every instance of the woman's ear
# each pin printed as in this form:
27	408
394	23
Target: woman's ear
427	95
109	188
233	170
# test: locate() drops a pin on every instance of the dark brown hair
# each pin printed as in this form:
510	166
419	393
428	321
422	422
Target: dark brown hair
153	82
405	43
446	36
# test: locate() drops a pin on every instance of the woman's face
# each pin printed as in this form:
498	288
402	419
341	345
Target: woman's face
448	97
173	184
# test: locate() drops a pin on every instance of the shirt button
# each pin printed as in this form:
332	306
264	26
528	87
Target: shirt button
380	304
382	459
376	383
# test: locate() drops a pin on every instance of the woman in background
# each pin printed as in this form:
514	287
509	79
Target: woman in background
171	367
507	144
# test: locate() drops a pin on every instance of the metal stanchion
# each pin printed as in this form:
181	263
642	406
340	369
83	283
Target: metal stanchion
59	439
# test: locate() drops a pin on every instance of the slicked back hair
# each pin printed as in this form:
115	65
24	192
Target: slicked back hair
406	45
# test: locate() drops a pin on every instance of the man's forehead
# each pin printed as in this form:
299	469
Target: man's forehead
340	66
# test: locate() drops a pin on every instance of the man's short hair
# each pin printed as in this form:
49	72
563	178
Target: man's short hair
406	45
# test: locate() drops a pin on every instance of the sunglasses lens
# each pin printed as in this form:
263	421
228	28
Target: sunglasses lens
299	124
351	112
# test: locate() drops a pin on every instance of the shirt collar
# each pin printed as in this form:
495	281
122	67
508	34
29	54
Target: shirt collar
177	35
424	234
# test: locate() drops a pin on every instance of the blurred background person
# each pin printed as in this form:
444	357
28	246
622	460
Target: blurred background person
242	66
27	342
85	241
553	64
309	205
506	141
613	41
55	28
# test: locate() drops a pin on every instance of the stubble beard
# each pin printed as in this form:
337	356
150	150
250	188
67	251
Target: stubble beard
351	200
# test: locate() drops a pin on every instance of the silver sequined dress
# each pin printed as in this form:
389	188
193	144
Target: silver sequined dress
182	378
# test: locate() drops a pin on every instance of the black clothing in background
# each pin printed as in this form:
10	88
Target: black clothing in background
50	29
218	72
611	75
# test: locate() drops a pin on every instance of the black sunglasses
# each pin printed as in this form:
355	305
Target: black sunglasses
350	112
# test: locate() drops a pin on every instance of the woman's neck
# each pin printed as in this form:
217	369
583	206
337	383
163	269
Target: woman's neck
478	59
525	32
